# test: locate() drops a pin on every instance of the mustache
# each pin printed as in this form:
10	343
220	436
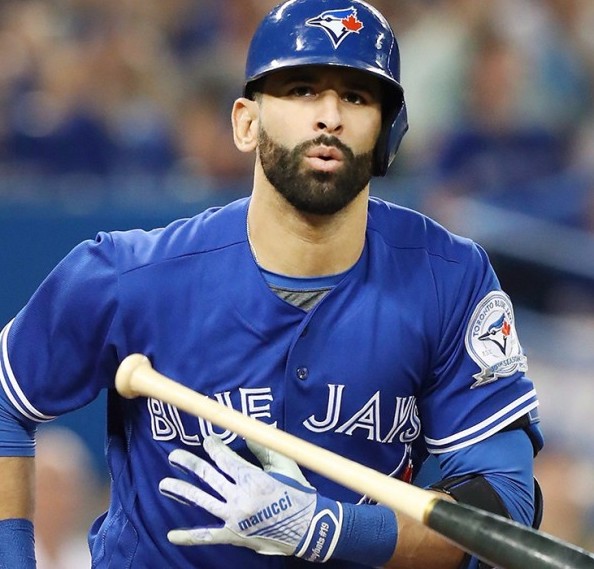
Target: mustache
325	140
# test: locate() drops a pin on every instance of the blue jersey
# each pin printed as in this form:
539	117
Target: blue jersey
414	350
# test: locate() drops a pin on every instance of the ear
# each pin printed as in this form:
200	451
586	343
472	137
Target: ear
245	117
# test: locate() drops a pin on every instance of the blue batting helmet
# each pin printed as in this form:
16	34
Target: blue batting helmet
345	33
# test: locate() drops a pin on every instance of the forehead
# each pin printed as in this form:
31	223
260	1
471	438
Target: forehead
329	75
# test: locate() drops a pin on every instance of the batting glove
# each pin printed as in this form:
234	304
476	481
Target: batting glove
274	510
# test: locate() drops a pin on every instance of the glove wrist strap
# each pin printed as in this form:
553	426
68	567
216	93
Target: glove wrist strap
369	535
365	534
319	542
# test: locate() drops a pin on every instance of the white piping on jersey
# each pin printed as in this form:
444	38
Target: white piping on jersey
22	404
480	426
488	433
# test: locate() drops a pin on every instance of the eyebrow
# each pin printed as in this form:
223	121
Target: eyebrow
359	85
350	81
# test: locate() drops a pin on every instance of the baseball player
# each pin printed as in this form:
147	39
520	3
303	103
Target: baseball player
348	321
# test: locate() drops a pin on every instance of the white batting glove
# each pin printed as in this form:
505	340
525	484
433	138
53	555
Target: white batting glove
273	510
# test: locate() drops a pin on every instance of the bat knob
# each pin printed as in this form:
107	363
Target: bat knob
124	380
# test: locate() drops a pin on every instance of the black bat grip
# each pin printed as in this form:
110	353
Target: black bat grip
504	543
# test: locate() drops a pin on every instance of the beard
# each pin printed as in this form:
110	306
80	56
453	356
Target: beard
310	191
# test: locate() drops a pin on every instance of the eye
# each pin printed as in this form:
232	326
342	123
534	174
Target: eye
354	98
301	91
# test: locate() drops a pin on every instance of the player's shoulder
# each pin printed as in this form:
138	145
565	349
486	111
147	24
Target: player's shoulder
212	229
405	228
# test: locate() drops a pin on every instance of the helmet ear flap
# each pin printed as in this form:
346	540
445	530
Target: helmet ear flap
393	130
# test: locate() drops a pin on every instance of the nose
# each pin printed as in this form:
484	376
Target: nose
328	112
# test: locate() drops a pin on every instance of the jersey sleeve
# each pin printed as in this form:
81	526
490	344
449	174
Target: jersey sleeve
479	384
505	461
58	352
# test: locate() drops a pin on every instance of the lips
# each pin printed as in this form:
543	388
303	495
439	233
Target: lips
326	159
325	153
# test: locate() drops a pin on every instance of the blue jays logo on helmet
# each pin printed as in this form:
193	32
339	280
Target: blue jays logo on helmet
338	24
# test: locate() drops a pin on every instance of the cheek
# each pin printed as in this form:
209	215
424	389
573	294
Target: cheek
283	128
291	122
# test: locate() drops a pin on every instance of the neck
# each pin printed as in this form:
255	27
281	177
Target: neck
291	243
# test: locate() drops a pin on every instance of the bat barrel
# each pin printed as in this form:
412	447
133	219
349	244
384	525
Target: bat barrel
504	543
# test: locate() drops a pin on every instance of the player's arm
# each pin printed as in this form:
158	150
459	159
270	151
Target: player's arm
16	482
419	547
495	475
60	338
16	489
16	513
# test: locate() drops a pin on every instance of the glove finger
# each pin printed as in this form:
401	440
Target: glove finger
192	464
185	460
200	536
188	494
276	463
212	536
225	458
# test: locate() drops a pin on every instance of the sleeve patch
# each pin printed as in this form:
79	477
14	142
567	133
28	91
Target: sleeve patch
492	341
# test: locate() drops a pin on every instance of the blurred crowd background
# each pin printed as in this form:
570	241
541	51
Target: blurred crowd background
115	113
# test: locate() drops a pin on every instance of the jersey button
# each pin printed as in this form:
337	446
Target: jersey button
302	373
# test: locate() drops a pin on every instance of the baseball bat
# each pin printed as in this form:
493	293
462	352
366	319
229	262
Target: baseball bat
493	539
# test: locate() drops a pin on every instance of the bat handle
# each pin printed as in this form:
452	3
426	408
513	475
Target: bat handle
124	380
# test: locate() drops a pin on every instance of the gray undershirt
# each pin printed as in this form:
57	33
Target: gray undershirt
304	299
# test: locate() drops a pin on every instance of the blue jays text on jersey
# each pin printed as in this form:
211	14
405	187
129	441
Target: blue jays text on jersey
382	369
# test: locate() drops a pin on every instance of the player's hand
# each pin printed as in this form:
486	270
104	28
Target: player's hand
272	510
